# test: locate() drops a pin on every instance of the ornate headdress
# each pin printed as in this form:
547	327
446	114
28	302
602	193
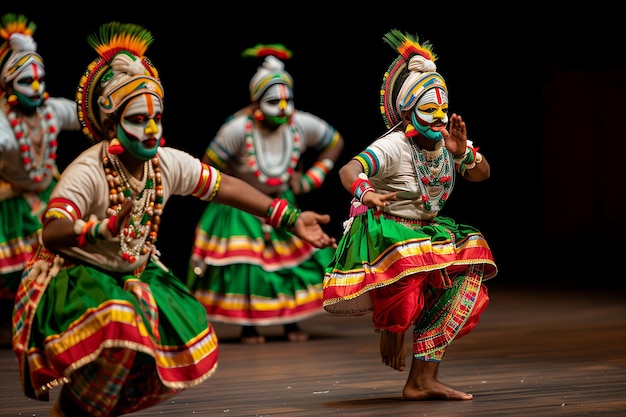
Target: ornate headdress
119	73
408	77
271	71
19	48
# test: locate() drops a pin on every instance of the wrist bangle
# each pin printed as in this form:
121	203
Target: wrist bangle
467	157
361	186
459	158
315	176
111	226
281	214
477	160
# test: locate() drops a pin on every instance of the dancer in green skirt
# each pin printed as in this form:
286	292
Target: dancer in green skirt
244	272
30	123
398	258
97	313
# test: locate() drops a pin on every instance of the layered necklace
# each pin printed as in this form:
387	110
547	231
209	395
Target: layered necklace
37	142
434	171
273	174
138	236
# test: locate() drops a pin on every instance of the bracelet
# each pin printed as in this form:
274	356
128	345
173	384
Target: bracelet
478	159
87	231
466	161
83	226
315	176
282	215
92	230
467	157
361	186
111	225
459	158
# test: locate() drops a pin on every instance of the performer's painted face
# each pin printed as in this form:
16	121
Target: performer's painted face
29	85
430	114
277	104
140	129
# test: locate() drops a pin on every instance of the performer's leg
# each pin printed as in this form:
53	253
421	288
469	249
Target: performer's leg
422	384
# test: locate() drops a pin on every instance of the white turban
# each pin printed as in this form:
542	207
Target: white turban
131	79
422	77
22	46
270	73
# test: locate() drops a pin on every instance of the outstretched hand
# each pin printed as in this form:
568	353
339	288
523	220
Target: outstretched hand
456	138
374	199
308	227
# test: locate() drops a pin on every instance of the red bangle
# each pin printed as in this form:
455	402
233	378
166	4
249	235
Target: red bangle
111	226
275	212
359	187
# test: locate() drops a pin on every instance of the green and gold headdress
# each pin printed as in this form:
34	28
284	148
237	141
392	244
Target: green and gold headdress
415	58
18	44
120	72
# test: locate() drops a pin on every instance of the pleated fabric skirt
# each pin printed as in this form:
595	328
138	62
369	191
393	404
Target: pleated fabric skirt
425	274
377	250
20	224
255	275
124	342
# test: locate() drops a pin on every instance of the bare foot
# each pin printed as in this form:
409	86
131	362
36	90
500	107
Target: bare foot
253	340
297	336
294	333
423	384
433	390
250	336
392	350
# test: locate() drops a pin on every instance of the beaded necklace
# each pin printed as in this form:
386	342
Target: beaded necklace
280	173
138	236
37	164
434	172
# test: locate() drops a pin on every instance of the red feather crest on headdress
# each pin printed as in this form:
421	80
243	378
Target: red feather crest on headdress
259	51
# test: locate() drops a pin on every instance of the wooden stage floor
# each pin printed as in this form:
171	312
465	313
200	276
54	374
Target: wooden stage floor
538	352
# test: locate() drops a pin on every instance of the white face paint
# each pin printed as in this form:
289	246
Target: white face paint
430	115
433	106
277	103
141	126
30	85
141	118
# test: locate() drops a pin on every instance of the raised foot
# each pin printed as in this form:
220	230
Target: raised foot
392	350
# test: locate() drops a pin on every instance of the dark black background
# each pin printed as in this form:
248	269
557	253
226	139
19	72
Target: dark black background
495	59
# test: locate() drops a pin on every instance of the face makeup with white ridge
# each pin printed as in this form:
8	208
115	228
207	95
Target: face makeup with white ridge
430	114
277	104
140	129
29	85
